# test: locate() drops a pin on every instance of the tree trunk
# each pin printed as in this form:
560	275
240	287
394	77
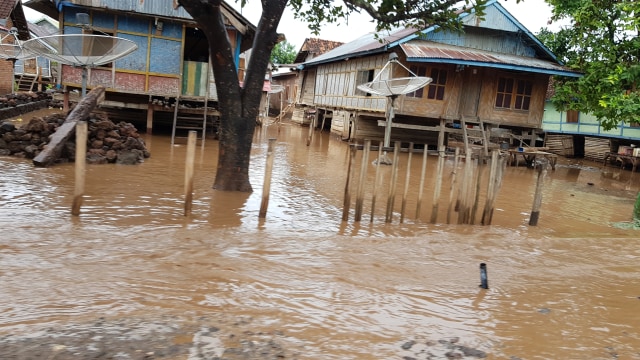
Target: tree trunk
239	105
81	112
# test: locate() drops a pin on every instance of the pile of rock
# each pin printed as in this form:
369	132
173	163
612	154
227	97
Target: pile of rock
107	142
13	105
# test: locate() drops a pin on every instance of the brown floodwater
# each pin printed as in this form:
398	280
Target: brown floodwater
565	289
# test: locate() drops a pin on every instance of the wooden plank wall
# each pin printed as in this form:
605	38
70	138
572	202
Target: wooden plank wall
559	144
336	84
595	148
488	112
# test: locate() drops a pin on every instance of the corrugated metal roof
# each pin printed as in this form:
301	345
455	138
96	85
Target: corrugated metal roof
164	8
161	8
497	19
428	51
366	44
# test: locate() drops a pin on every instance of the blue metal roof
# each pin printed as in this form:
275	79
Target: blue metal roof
432	52
497	18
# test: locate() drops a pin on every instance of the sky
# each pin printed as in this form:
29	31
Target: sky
533	14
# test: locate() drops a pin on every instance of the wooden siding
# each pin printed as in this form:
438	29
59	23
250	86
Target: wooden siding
484	39
489	113
335	84
308	87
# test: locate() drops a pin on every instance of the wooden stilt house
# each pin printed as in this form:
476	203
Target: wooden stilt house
170	66
490	79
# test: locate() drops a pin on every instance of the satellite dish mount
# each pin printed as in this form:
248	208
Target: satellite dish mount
392	88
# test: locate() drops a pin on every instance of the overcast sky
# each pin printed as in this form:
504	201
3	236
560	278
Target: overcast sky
533	14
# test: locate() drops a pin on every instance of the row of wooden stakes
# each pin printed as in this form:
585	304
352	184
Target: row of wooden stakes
467	186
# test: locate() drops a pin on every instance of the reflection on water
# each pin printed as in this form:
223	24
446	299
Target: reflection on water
565	289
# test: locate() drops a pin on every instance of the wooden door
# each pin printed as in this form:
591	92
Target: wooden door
470	94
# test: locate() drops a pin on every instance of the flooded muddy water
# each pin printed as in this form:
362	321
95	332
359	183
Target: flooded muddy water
565	289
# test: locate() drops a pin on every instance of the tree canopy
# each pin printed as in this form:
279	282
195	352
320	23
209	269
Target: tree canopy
283	53
603	42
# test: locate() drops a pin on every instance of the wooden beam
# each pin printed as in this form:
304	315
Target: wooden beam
81	112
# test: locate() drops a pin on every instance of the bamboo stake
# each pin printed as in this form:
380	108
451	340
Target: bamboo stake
347	187
363	173
266	187
80	168
188	172
537	198
406	184
425	153
436	192
392	183
377	180
454	173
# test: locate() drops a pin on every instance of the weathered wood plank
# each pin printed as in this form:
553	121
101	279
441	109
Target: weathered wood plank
80	113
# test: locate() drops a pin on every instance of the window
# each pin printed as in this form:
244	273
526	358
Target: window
437	86
514	94
363	77
572	116
419	71
435	90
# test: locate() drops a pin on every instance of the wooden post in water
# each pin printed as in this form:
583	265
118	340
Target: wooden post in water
266	187
479	165
150	109
537	198
491	186
406	184
347	187
452	190
463	209
392	183
81	163
361	181
436	191
425	153
500	167
312	125
188	171
377	180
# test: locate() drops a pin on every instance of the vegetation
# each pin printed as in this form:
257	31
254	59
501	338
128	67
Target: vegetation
603	42
239	106
636	210
283	53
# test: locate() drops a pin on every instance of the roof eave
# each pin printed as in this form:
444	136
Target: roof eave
531	69
344	57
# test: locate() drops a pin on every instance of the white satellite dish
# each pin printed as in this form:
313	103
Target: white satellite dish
81	50
392	88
